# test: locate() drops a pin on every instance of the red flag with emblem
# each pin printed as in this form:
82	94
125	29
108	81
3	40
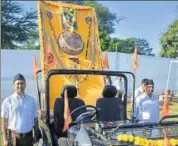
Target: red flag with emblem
67	115
35	67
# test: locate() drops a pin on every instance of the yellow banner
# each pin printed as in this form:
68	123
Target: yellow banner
69	40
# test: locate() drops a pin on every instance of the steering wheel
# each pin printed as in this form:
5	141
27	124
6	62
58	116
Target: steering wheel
91	114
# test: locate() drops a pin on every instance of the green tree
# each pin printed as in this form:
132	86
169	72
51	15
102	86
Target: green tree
31	44
128	45
143	47
18	26
169	41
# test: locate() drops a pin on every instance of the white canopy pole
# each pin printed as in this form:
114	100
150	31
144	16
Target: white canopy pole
168	78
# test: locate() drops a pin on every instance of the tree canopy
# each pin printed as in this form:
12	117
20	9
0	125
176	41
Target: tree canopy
169	41
18	25
128	45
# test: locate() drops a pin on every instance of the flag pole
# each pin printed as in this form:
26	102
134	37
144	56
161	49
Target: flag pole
167	84
116	57
135	66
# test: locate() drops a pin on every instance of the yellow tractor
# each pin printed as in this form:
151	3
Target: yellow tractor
70	54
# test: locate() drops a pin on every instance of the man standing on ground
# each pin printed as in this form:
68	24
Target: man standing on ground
19	115
147	105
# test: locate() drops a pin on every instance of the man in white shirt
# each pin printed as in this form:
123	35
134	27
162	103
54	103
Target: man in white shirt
108	80
120	87
19	115
147	105
140	90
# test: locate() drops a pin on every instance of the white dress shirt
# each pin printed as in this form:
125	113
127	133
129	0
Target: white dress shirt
119	85
138	92
20	112
147	108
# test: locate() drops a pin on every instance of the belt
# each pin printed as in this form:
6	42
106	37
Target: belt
21	135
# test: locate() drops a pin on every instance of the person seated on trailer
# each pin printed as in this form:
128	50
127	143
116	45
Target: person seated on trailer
110	107
59	109
147	105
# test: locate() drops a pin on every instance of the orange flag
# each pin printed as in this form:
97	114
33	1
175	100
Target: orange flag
106	62
67	115
50	58
165	112
135	61
35	67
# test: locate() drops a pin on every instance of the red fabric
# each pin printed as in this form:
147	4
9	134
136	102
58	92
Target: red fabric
67	115
50	58
106	62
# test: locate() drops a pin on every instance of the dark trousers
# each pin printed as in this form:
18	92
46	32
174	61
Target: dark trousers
26	140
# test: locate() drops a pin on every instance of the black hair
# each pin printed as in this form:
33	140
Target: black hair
71	91
109	91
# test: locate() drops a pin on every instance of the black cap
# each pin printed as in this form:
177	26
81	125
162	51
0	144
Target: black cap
18	77
149	82
144	81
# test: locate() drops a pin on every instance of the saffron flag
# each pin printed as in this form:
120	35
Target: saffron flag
166	138
106	62
67	115
35	67
165	112
135	60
